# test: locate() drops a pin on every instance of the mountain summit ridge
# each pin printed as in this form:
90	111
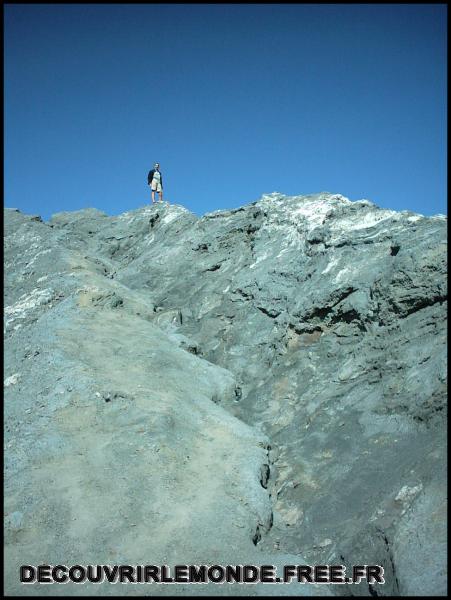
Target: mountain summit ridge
275	198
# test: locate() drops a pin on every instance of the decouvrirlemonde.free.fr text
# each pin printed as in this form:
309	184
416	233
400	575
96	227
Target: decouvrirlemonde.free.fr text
195	574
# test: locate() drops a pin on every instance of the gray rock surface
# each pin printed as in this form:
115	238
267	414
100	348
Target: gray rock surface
260	385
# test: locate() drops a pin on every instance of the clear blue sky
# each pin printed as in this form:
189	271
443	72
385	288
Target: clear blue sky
233	100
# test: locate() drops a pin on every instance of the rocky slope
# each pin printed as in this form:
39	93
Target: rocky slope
260	385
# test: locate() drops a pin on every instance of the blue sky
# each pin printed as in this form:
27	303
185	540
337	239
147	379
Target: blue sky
233	100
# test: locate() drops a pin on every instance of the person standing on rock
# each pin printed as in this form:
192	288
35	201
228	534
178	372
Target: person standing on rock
155	180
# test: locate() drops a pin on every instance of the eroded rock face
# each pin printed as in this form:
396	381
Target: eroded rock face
270	379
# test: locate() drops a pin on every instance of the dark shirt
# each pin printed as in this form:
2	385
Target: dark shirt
150	176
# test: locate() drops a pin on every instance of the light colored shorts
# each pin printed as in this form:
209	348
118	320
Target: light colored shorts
156	186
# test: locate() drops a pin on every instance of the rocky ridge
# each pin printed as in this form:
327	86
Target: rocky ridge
266	383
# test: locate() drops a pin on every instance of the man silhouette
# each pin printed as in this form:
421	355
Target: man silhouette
155	180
